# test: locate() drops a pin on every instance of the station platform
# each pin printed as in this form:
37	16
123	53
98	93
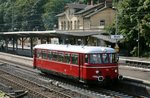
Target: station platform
136	73
140	59
135	67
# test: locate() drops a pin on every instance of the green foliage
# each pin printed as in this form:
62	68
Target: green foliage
1	17
52	8
134	14
30	14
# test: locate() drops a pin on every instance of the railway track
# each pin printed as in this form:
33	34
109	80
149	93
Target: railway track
47	89
32	87
101	92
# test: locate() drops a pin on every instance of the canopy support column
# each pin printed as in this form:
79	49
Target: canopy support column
31	45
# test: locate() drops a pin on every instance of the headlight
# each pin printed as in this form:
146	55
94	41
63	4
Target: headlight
97	71
116	70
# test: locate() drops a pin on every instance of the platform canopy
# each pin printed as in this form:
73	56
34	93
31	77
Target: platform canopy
71	33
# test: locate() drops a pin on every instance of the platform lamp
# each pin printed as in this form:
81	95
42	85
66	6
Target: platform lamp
138	37
12	12
116	44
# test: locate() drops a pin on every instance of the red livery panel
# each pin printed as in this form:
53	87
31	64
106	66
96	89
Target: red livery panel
88	64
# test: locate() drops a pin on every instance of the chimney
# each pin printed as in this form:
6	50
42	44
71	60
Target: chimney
108	3
92	2
99	1
88	3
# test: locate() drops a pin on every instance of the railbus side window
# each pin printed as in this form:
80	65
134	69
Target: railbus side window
61	57
86	58
39	54
95	59
44	54
67	58
105	58
99	58
74	59
54	56
49	55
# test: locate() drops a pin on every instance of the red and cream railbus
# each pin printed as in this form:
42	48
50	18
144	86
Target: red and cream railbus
88	64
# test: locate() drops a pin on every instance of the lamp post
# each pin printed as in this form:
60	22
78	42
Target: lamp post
12	16
116	45
138	38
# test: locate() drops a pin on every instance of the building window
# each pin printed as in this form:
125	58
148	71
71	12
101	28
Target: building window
78	24
69	12
68	25
71	25
102	23
75	26
64	25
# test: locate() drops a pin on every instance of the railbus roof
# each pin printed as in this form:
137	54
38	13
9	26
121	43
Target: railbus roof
75	48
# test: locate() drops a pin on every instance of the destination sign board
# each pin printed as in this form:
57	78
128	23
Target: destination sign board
116	36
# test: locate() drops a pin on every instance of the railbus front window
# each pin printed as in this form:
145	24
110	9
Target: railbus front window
49	55
54	56
105	58
74	59
61	57
67	58
95	59
113	58
39	54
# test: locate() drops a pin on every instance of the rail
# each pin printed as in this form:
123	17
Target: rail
31	86
136	63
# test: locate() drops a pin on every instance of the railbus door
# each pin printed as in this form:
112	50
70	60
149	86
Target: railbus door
35	58
81	67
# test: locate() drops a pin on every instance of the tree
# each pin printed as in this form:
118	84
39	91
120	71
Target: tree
52	8
131	16
30	16
1	17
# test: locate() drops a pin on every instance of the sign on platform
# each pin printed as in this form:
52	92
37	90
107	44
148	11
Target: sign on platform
116	36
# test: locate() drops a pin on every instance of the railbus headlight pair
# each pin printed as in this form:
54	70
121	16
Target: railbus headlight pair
97	71
116	70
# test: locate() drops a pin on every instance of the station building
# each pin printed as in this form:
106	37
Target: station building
78	24
81	17
93	17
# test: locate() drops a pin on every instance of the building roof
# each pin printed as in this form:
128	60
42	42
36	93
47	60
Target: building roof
61	14
74	48
94	12
72	33
81	32
76	6
88	8
105	38
95	34
85	8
